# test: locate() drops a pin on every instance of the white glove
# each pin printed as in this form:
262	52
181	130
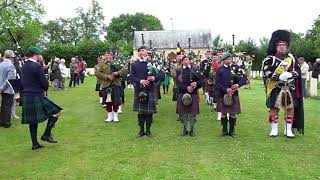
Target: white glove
285	76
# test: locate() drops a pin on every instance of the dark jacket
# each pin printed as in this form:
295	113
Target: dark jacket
187	80
34	81
56	73
315	70
223	80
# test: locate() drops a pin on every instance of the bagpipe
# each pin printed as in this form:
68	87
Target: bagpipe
195	76
116	65
237	73
16	84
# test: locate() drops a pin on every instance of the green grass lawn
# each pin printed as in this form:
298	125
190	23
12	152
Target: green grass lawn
89	148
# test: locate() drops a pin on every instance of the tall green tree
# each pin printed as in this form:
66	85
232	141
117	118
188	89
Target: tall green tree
22	17
303	46
313	35
91	23
86	25
261	53
123	26
247	46
61	30
217	42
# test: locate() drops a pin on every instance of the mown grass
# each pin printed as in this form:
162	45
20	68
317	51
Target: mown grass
89	148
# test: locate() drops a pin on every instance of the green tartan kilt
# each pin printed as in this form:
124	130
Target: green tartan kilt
148	107
37	109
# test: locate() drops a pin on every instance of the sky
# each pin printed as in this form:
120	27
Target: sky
243	18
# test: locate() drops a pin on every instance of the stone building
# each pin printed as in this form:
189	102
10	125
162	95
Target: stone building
166	41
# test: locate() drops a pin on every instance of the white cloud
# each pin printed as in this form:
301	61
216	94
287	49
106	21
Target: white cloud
244	18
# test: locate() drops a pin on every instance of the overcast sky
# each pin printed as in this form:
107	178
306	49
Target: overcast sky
244	18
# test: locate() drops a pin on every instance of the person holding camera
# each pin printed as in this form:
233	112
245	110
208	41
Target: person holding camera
145	91
189	80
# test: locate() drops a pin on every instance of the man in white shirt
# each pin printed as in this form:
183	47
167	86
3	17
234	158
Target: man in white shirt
304	74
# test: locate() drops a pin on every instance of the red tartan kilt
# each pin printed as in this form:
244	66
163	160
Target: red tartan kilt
194	108
233	109
211	90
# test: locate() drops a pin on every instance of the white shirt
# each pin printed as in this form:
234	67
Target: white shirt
143	60
32	60
184	66
304	70
63	70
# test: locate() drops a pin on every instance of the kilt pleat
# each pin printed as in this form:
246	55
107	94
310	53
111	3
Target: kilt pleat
37	109
116	94
233	109
193	108
148	107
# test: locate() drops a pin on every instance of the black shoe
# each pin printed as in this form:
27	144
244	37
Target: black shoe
224	133
38	146
232	134
184	132
224	123
191	133
5	125
148	133
49	139
141	133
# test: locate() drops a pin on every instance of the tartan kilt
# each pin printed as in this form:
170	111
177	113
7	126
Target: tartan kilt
37	109
116	94
98	88
207	85
193	108
233	109
158	92
175	94
148	107
211	90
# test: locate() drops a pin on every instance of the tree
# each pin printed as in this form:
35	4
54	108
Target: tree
217	42
123	26
61	31
22	16
313	36
261	53
247	46
302	46
91	23
86	25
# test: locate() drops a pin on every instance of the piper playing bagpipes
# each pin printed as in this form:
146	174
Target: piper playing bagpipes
109	74
212	81
144	79
229	78
282	79
205	68
189	80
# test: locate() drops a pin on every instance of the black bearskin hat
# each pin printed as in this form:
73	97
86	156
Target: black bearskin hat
277	36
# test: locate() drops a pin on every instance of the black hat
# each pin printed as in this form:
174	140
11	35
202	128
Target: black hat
142	47
278	36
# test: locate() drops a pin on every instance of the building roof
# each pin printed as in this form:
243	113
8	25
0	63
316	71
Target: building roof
169	39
